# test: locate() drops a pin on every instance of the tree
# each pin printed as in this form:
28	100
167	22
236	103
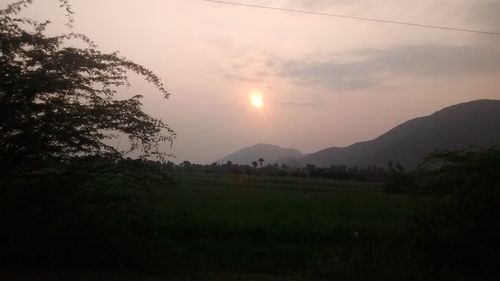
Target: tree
254	164
60	179
261	161
457	216
59	102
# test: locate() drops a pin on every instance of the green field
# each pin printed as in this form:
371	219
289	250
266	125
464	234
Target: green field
238	227
289	227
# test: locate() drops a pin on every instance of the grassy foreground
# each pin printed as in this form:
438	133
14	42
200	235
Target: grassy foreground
127	221
278	226
227	227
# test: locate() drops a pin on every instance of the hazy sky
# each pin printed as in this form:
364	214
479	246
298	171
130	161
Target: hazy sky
326	81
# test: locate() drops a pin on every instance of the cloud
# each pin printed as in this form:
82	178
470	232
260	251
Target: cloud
328	74
378	68
240	78
236	62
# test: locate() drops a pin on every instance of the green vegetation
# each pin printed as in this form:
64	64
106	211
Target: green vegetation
206	224
281	226
70	200
441	224
457	215
67	196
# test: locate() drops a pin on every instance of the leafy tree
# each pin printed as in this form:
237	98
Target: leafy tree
261	161
66	195
457	218
58	101
254	164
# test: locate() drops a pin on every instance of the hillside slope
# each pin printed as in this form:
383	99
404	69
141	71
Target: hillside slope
459	126
270	153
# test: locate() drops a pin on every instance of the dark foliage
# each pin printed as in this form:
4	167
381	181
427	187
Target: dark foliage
457	219
91	211
340	173
58	102
66	196
397	180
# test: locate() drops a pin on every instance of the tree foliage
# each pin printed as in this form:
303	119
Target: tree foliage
67	196
58	101
457	219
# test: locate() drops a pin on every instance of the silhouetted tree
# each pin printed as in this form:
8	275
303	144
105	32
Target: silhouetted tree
58	101
457	216
60	179
261	161
254	164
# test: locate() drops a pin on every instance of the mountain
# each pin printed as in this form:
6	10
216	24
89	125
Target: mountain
459	126
270	153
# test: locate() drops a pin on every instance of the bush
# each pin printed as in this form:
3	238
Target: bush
457	216
87	212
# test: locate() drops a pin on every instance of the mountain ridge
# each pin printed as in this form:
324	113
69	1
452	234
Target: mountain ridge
457	126
269	152
473	123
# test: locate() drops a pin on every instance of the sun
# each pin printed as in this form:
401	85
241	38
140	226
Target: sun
256	99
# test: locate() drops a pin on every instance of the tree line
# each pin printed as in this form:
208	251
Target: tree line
335	172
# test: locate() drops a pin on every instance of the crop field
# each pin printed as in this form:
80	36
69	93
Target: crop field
237	227
210	226
276	226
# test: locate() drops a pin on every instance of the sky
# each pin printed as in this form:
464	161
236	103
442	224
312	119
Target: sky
325	81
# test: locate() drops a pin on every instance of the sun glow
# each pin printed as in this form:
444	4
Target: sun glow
256	99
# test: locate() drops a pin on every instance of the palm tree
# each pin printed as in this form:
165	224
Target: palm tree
254	164
261	161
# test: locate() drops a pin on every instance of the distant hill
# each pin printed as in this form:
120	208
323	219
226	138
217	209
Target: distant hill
270	153
459	126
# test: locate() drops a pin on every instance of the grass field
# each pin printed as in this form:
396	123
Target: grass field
227	227
277	226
